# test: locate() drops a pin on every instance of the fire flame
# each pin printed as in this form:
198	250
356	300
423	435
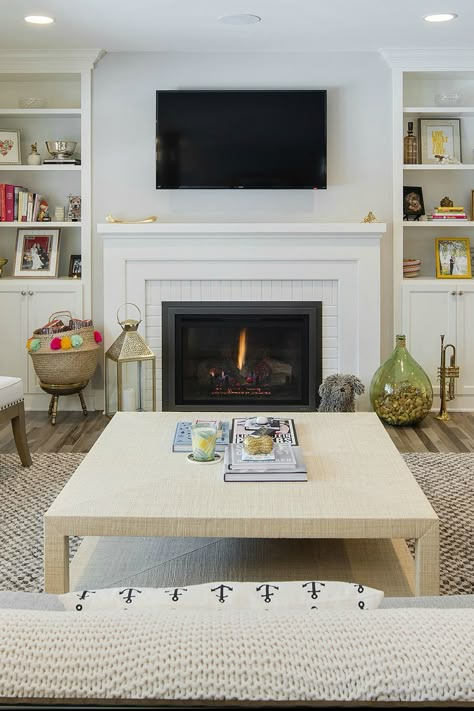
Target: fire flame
242	349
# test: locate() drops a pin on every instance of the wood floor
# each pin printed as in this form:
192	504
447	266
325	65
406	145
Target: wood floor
75	433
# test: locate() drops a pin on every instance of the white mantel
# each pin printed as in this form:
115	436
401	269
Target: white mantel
337	263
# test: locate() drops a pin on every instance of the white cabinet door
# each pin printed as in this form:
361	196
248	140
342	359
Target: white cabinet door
13	332
465	339
427	312
43	300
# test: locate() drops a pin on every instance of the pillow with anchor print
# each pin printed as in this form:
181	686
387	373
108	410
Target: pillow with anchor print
295	595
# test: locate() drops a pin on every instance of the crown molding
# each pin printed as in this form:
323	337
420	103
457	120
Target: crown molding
426	59
48	60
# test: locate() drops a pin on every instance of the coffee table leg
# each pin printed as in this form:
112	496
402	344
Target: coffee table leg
427	562
56	560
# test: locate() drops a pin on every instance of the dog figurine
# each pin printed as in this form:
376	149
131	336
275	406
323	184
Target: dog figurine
338	393
74	209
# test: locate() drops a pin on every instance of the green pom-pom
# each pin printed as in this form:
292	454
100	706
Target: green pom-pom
35	344
76	341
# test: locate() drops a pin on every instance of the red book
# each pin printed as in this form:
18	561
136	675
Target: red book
9	202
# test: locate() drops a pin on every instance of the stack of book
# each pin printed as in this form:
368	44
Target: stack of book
17	204
449	213
284	463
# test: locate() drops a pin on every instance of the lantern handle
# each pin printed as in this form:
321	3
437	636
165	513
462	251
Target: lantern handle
129	303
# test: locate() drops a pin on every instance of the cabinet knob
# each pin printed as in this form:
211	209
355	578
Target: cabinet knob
460	293
30	293
23	293
453	293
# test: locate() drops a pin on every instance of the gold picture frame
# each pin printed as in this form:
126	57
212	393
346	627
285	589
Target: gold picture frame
453	258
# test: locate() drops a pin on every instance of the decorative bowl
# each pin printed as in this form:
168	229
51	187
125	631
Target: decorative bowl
32	102
448	99
411	267
61	149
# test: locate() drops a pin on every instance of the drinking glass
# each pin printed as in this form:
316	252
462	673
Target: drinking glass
204	437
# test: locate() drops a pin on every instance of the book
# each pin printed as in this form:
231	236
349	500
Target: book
64	161
282	458
264	474
452	208
450	216
282	429
182	437
9	202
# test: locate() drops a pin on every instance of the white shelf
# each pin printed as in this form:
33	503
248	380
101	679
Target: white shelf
431	281
436	224
439	110
29	225
53	166
40	113
447	166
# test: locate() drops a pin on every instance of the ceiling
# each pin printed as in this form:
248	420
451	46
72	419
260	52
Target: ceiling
192	26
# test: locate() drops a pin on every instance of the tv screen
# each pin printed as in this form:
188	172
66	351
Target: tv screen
241	139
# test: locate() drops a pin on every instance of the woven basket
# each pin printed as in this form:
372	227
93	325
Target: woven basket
65	367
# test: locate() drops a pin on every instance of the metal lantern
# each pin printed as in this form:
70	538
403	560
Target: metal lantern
127	358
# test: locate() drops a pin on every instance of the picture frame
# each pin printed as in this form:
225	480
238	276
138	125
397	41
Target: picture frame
439	137
472	205
10	150
75	266
37	253
413	205
453	258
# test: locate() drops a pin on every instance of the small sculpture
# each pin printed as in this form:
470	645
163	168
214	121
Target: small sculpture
43	211
115	220
370	217
446	158
446	202
3	261
34	157
338	393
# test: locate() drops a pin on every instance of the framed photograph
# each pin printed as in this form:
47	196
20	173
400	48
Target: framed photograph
413	205
75	266
439	137
9	147
453	258
37	253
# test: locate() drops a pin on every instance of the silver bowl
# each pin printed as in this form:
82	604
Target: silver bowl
61	149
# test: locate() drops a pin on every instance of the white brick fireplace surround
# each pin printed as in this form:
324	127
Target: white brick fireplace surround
338	264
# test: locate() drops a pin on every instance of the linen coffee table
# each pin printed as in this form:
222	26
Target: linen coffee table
132	484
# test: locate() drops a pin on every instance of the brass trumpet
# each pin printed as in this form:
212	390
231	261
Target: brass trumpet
450	373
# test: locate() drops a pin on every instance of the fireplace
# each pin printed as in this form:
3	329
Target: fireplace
240	355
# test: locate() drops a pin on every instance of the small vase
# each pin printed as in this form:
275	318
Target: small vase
34	159
400	391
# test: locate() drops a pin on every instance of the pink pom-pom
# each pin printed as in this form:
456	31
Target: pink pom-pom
55	344
97	337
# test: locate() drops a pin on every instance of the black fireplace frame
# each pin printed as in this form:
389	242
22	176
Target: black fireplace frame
171	309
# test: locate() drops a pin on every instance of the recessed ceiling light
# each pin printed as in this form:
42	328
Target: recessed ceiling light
39	19
243	19
440	17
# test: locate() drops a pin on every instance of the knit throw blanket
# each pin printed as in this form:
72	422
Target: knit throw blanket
229	655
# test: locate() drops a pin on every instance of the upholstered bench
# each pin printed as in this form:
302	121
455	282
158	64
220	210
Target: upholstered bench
12	408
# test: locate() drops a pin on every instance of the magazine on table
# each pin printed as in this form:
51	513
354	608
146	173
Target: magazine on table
237	470
282	429
182	436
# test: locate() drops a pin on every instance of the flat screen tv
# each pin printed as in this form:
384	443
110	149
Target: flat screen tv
241	139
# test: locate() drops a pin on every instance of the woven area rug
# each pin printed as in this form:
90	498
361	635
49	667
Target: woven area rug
25	494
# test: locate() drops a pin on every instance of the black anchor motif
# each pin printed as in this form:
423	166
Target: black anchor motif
220	596
175	594
313	591
82	596
130	594
267	594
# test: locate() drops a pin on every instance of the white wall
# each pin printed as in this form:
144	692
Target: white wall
359	144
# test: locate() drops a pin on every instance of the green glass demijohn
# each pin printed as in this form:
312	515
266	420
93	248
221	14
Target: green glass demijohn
400	391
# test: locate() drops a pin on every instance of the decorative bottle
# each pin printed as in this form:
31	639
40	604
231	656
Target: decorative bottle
400	391
410	147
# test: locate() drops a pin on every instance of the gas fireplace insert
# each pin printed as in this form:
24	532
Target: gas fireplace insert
264	356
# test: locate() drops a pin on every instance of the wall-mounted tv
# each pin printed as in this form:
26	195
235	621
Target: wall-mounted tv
241	139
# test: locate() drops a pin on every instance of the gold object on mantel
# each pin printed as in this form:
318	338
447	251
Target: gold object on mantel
370	217
451	371
116	221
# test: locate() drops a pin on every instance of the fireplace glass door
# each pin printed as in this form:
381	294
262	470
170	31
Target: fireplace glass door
243	358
